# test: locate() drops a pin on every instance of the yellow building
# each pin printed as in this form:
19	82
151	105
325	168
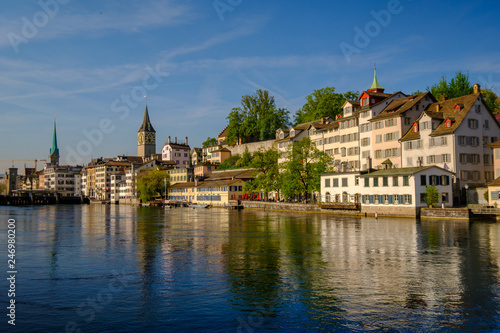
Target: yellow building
216	190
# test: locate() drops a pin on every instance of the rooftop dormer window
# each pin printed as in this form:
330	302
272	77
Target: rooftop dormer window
292	133
415	127
447	123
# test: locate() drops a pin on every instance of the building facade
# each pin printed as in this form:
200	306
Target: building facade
177	152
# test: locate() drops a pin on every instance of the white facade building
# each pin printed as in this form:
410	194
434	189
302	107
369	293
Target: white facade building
454	134
388	191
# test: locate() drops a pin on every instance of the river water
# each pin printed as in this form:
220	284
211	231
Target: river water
101	268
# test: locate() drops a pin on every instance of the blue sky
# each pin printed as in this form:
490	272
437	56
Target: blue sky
195	59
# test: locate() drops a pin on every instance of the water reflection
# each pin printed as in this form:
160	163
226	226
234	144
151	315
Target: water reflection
223	271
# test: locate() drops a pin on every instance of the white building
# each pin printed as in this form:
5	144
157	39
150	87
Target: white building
65	180
103	177
388	191
454	134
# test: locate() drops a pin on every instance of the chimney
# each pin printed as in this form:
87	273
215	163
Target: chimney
186	142
369	163
437	107
445	98
175	140
169	139
196	182
477	88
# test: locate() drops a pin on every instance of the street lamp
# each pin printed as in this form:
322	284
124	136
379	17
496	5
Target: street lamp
466	195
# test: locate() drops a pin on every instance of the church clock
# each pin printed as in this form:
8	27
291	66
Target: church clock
150	138
140	139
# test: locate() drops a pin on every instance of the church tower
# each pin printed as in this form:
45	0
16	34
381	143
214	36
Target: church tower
146	137
54	151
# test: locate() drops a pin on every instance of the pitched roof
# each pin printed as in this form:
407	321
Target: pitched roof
495	144
400	105
230	174
448	109
220	150
177	146
401	171
365	107
223	133
146	123
495	182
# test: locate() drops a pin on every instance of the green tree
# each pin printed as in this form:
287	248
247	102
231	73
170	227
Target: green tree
246	158
152	184
258	118
432	195
209	142
3	188
324	102
265	163
490	99
230	163
458	86
303	167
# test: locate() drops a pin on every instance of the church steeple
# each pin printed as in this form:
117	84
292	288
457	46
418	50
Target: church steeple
146	123
376	87
54	151
146	137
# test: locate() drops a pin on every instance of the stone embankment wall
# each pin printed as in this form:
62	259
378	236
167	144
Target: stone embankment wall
252	147
448	213
294	207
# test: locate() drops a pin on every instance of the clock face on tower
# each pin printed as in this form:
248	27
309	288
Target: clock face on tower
140	138
150	138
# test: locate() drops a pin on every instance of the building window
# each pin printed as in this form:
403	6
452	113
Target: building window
423	198
344	182
367	182
335	182
406	181
444	197
473	123
395	181
327	182
386	199
385	181
423	180
375	181
407	199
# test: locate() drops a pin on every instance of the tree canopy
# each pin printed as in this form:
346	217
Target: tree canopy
265	162
209	142
458	86
152	184
461	86
258	118
491	100
302	169
324	102
237	161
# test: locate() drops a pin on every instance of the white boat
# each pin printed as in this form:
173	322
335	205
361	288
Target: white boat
198	206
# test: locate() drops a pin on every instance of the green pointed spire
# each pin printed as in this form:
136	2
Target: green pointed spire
54	148
54	151
375	84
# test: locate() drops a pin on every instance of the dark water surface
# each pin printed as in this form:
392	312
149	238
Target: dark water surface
105	268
